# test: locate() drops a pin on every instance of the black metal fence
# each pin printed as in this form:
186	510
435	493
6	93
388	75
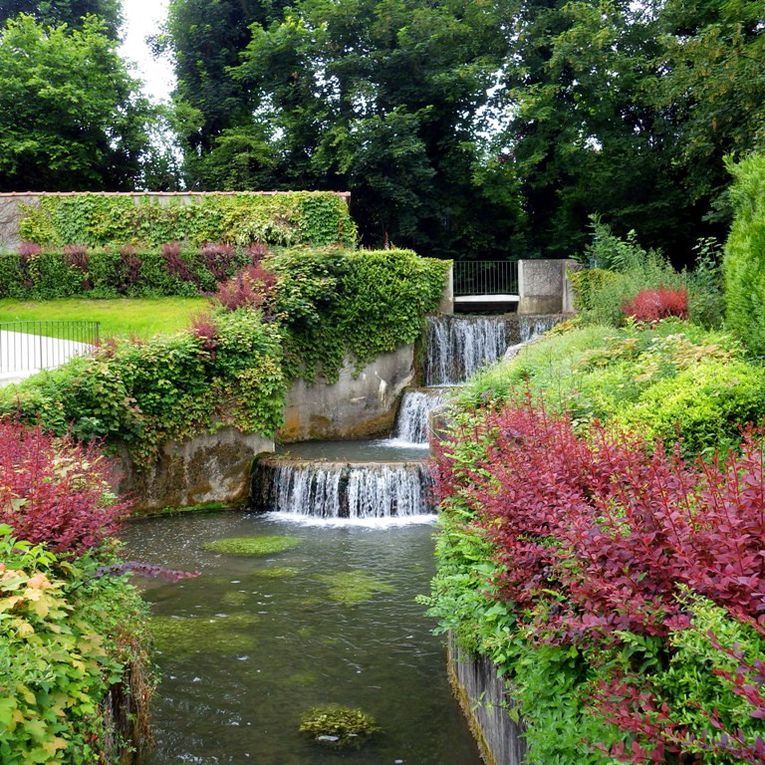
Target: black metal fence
34	345
485	277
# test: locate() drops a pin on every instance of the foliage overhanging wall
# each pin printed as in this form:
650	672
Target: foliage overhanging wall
281	219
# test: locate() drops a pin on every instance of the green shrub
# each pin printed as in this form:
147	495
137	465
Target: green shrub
172	387
669	378
706	404
286	219
66	636
744	263
336	304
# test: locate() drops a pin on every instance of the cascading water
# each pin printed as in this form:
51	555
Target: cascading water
412	424
457	347
342	490
531	327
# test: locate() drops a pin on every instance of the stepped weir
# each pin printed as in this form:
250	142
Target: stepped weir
389	479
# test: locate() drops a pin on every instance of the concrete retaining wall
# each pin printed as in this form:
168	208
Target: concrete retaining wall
214	468
484	701
356	406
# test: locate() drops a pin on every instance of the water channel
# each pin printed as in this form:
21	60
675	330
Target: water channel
254	642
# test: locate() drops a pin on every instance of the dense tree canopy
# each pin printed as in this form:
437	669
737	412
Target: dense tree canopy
383	97
69	12
70	114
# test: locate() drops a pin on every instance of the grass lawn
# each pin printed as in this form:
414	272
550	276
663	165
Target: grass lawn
123	317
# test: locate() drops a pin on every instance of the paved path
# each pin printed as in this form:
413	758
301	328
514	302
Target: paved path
22	355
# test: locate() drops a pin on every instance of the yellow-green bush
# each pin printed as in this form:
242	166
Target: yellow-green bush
744	264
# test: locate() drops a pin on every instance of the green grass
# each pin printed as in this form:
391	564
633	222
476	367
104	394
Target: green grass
121	317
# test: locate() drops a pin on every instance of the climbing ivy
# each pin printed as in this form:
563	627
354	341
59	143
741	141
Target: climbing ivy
335	305
283	219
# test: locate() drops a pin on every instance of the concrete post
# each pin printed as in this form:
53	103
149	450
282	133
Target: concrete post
447	300
543	286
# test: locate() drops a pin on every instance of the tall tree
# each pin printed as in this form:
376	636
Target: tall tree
383	97
71	117
70	12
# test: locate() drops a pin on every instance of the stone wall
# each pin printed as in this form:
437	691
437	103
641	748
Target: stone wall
484	700
356	406
214	468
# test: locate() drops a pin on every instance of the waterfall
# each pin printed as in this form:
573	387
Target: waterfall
457	347
413	415
531	327
340	490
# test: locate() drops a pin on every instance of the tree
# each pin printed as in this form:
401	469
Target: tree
382	97
71	117
69	12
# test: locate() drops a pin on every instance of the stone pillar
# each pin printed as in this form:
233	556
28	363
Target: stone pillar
447	300
543	286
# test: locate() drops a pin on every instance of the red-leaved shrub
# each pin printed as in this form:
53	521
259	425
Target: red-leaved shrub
54	490
250	288
175	264
76	256
29	249
203	327
654	305
129	268
218	259
598	536
614	526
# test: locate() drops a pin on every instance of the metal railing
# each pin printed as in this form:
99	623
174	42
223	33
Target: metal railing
34	345
485	277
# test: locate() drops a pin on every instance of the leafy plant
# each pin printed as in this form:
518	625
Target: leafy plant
338	727
55	491
656	304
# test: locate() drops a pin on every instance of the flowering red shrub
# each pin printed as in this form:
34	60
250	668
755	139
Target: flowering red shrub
54	490
653	305
258	251
218	259
250	288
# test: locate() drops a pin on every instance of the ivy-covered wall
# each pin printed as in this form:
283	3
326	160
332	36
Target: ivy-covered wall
283	219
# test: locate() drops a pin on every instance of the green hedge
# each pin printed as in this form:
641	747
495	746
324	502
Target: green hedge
744	264
109	273
285	219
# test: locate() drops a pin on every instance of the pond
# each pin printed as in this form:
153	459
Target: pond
254	642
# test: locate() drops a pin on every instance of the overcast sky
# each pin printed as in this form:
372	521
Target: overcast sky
143	18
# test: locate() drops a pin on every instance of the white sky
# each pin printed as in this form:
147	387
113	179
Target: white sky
144	18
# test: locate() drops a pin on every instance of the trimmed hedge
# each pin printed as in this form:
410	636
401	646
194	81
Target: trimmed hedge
107	272
744	263
284	219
